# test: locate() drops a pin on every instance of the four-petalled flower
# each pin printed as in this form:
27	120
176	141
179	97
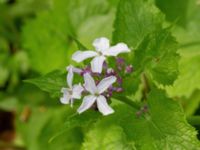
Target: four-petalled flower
96	94
103	49
73	92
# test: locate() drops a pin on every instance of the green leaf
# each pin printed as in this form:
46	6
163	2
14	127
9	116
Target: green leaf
175	11
134	20
192	103
111	137
139	24
51	47
188	80
157	55
51	83
163	126
79	44
47	45
43	124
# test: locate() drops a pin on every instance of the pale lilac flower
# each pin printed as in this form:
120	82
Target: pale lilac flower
103	49
96	94
73	91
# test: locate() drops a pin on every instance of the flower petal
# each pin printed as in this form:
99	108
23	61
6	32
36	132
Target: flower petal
103	106
80	56
88	101
74	69
76	91
105	84
90	83
70	76
115	50
66	96
97	64
101	44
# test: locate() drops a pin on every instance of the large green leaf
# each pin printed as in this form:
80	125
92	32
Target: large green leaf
47	38
139	24
162	127
43	124
134	20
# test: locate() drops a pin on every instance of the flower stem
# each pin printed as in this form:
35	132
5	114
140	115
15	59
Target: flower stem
194	120
127	101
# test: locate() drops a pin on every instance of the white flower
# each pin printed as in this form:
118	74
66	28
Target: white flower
74	91
103	50
96	94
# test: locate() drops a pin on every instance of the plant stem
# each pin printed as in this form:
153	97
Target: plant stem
146	87
190	44
128	101
10	146
194	120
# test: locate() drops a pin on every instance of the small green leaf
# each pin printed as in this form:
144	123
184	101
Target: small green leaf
157	54
51	83
188	80
110	137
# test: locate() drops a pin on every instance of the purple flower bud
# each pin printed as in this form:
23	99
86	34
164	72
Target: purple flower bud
119	89
129	69
120	61
109	93
138	113
119	80
145	108
119	68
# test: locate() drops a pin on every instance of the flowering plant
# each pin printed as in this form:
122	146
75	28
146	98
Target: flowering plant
137	93
101	89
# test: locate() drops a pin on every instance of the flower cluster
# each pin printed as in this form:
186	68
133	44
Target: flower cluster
100	80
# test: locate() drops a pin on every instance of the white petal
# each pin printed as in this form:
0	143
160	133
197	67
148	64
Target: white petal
97	64
79	56
103	106
76	91
74	69
88	101
105	83
77	70
70	76
115	50
101	44
90	83
66	96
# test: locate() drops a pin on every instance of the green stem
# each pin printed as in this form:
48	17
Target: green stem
10	146
194	120
146	87
127	101
190	44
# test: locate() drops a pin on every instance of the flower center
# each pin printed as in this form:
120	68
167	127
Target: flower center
70	91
